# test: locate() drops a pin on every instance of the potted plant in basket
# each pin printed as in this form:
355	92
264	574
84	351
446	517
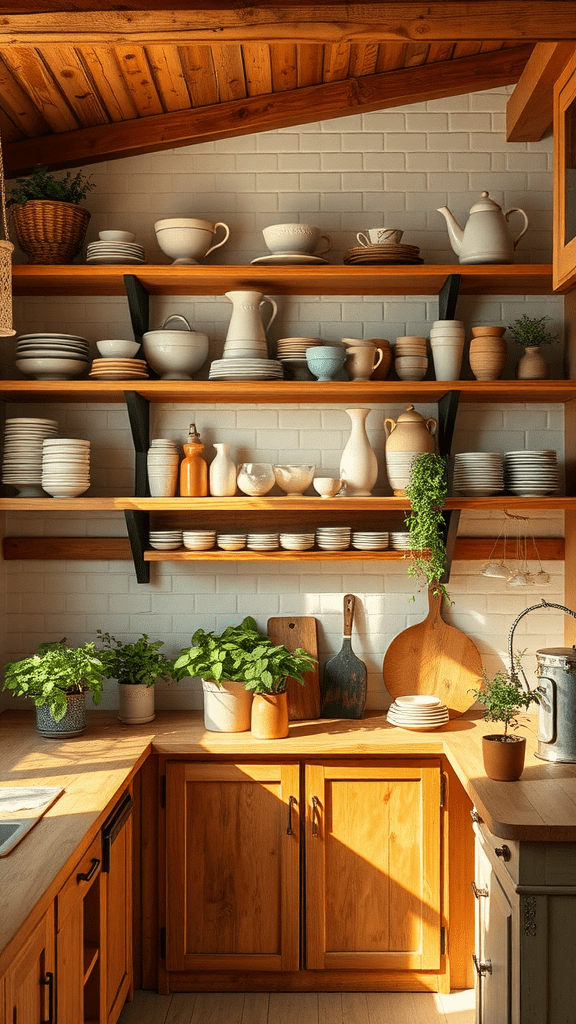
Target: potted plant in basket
236	665
504	698
136	666
50	224
57	679
427	490
531	334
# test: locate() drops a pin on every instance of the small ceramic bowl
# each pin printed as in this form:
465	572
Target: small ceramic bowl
327	486
116	348
256	478
325	361
294	479
116	236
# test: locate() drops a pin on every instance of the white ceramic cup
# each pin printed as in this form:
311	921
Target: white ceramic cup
362	360
377	236
294	239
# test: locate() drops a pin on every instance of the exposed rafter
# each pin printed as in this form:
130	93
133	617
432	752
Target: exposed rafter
529	110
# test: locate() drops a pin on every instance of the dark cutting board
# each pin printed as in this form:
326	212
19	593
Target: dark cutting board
299	631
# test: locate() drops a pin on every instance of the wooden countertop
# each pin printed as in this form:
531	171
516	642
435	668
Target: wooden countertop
94	767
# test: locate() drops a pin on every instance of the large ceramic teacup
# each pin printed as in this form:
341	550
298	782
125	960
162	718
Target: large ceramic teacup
362	360
294	239
188	239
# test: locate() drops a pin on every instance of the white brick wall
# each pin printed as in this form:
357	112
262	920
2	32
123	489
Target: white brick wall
394	167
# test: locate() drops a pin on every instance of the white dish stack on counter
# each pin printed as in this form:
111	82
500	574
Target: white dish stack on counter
65	466
418	711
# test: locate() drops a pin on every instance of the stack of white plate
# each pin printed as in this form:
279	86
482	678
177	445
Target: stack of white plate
246	369
262	541
333	538
297	541
114	252
399	540
531	473
22	458
65	466
109	368
478	474
370	540
52	356
420	712
198	540
165	540
231	541
291	352
163	463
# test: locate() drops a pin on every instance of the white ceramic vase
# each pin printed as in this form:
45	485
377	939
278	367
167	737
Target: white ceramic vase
358	465
222	473
227	708
447	358
136	703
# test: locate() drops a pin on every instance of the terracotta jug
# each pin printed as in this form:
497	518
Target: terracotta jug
407	436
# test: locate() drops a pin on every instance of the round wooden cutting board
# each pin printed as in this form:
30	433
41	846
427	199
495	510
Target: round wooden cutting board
433	657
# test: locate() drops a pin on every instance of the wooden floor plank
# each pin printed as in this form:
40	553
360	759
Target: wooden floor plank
146	1008
218	1008
459	1007
293	1008
330	1008
355	1008
181	1008
255	1009
404	1008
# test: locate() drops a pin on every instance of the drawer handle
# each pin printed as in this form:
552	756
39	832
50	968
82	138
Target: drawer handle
482	966
478	892
315	815
503	852
86	876
49	981
291	802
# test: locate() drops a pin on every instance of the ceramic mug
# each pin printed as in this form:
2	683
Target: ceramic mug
376	236
361	361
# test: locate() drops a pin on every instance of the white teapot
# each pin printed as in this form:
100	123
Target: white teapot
486	237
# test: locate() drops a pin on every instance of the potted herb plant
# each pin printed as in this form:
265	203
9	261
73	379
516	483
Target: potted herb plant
531	334
50	224
236	665
136	666
427	490
504	698
57	679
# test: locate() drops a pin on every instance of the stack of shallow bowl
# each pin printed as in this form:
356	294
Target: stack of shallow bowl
399	540
262	541
115	247
231	541
447	343
22	456
411	357
291	352
399	469
52	356
163	466
370	540
488	352
198	540
297	541
333	538
65	466
165	540
419	711
478	474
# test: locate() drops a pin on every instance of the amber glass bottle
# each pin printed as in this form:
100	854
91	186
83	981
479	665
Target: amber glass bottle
193	468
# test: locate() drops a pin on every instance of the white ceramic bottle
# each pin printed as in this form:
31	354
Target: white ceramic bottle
222	472
358	465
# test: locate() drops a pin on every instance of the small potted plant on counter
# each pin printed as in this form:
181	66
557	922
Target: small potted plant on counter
50	224
57	679
136	666
235	665
427	490
531	334
504	699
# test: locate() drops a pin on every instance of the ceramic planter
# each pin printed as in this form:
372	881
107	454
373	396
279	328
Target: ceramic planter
226	707
503	759
72	724
136	703
532	365
270	716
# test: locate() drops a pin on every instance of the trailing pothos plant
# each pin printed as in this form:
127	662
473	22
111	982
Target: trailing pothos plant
427	492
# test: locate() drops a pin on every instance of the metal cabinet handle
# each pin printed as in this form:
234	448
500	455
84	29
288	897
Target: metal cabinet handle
85	876
49	981
478	892
315	815
292	801
475	816
482	966
503	852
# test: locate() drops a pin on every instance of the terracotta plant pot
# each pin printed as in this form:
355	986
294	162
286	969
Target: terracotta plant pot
270	716
532	365
503	757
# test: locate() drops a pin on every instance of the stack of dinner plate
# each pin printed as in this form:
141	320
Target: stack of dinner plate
65	466
399	540
420	712
297	541
531	474
22	457
246	369
262	541
383	252
333	538
478	474
114	252
48	356
198	540
370	540
165	540
110	368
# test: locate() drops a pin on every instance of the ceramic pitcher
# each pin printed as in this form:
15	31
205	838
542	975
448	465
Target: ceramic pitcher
246	322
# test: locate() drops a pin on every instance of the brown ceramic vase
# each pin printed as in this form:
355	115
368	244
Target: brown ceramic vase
503	759
488	355
532	365
270	716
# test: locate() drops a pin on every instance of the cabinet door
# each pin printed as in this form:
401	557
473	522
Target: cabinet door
232	866
493	945
30	980
78	940
373	865
117	898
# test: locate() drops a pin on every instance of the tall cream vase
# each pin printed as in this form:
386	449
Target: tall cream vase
222	472
358	464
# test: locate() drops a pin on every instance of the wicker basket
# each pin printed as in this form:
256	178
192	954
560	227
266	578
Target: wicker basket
49	231
6	250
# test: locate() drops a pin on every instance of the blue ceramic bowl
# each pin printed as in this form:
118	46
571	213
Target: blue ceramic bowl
325	361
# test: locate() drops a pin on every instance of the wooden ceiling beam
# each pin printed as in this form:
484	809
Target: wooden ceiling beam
37	22
529	109
264	113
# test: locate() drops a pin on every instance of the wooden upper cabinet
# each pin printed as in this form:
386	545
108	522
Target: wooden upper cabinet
564	267
373	865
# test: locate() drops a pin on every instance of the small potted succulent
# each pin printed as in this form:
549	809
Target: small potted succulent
136	666
530	332
504	698
49	222
57	679
427	490
236	666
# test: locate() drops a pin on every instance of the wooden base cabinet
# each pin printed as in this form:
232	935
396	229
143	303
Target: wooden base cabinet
355	888
30	981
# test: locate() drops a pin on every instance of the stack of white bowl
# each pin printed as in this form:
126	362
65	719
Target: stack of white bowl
399	469
411	357
419	711
447	342
399	540
478	474
51	356
262	541
163	467
165	540
333	538
198	540
231	541
297	541
370	540
22	458
65	466
115	247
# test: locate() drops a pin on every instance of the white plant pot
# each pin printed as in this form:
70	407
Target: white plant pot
227	708
136	703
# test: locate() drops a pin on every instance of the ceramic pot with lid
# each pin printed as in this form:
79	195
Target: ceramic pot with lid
406	437
175	352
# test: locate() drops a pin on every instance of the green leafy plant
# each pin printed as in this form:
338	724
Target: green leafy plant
140	662
505	698
530	332
427	490
43	185
242	654
56	671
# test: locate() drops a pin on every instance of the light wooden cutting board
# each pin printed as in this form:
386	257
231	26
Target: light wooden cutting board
299	631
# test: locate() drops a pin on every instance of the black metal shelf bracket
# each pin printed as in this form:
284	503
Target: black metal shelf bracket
448	297
451	520
139	415
447	410
138	304
138	526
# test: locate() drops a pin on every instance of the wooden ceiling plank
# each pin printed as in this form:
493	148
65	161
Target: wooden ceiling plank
416	54
257	68
466	49
363	59
166	67
8	130
372	21
200	75
31	73
390	57
529	109
309	63
256	114
229	68
139	80
284	67
76	86
103	68
18	106
336	63
440	51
